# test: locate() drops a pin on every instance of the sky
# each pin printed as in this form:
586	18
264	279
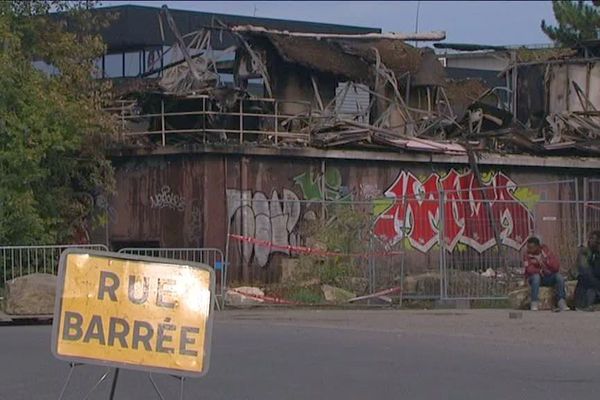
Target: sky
483	22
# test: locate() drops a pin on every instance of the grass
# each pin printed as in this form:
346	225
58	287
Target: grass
305	295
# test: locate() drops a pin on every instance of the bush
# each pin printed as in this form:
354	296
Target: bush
344	231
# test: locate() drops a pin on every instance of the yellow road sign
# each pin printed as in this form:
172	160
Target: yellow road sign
134	312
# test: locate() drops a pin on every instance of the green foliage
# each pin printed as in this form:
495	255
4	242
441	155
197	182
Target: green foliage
305	295
345	231
577	21
52	131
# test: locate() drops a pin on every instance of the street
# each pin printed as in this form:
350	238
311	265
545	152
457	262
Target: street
338	354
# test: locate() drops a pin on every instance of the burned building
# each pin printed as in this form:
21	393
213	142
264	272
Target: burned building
252	128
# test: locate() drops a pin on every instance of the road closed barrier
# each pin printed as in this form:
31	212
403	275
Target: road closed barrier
134	312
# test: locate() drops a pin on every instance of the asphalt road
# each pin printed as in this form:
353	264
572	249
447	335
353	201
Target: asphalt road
282	354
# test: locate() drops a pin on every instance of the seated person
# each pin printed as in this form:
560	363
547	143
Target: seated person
587	292
542	269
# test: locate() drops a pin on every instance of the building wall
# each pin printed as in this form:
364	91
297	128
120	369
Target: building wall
489	62
194	200
293	83
544	89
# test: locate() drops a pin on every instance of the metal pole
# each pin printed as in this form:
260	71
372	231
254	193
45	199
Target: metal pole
577	212
204	120
585	208
113	387
401	273
155	386
162	121
322	187
443	280
102	378
241	121
181	388
226	256
513	56
64	388
371	263
276	122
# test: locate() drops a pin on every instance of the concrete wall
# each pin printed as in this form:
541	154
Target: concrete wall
191	200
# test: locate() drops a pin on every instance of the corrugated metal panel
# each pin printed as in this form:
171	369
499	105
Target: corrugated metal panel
356	101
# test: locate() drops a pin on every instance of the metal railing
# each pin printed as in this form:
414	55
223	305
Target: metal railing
209	256
591	206
248	119
24	260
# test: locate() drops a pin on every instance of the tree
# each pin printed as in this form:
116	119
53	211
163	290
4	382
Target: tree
578	21
53	133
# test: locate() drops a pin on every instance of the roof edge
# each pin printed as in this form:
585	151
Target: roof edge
490	159
257	19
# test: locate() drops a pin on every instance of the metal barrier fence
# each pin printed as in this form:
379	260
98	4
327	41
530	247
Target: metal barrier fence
477	267
459	244
23	260
209	256
591	206
434	244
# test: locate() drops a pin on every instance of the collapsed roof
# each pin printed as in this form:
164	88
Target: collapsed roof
412	107
352	56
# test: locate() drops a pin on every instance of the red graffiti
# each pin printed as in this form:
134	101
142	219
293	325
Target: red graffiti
415	213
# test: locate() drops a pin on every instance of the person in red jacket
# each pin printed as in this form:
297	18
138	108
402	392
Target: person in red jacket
542	269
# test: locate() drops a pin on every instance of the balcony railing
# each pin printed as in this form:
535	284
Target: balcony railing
258	120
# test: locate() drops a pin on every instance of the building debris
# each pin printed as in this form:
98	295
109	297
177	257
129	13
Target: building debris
407	103
420	36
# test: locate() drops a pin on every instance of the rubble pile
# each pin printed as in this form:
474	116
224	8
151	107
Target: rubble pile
394	97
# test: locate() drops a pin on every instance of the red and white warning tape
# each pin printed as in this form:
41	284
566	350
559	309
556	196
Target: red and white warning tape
383	294
309	250
267	299
277	300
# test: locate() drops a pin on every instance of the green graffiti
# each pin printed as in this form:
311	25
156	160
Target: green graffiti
527	197
333	179
322	187
309	186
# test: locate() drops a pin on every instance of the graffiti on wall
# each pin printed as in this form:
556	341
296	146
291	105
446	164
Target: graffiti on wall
322	186
253	214
194	232
166	198
472	213
415	212
270	219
